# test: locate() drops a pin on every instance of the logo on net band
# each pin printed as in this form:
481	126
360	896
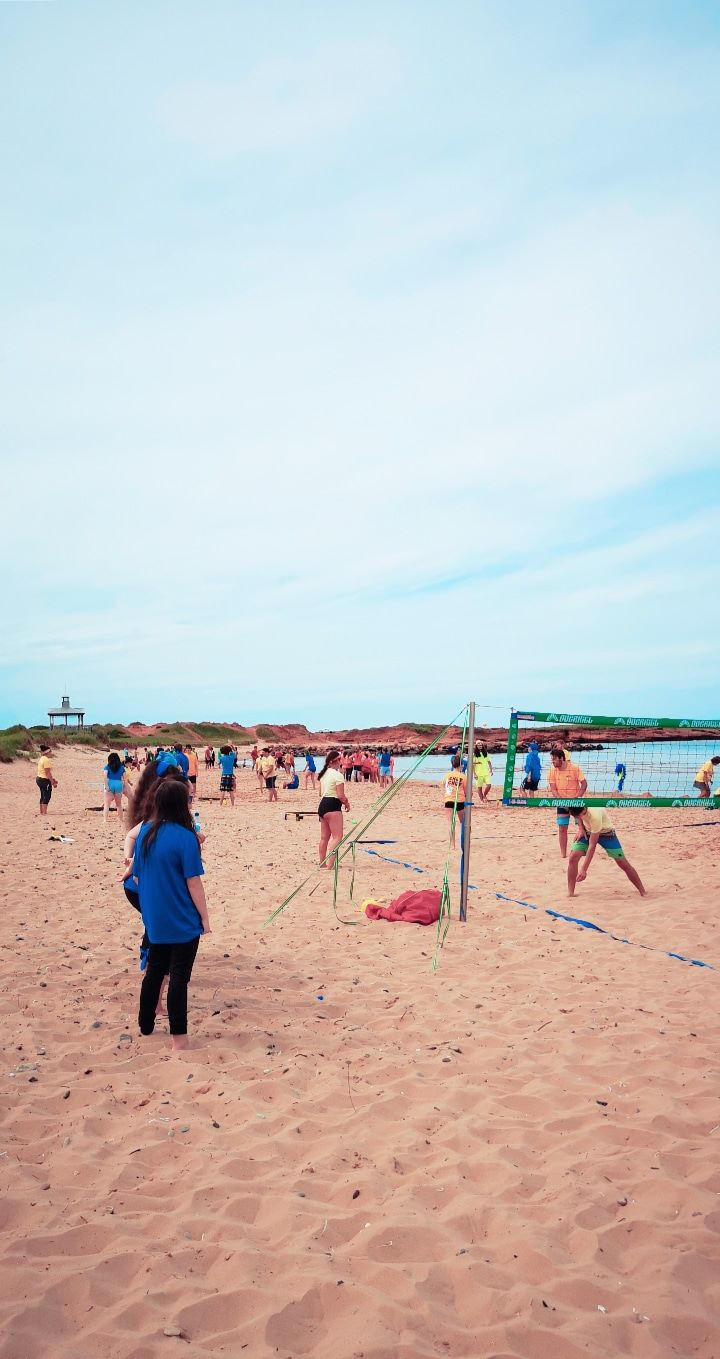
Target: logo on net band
576	719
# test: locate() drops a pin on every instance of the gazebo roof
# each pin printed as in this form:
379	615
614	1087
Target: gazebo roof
73	712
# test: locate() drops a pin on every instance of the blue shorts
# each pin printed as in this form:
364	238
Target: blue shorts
114	786
563	819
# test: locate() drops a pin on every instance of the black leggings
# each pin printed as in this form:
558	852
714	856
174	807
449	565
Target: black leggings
177	959
45	787
134	899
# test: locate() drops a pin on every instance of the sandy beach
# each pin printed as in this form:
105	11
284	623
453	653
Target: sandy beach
516	1155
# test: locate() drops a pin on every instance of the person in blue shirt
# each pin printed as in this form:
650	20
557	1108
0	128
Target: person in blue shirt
181	761
533	769
385	768
168	869
115	785
164	760
227	762
310	770
294	782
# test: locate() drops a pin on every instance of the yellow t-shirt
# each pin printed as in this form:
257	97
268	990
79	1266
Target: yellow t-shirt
329	782
705	773
596	821
455	780
44	767
481	769
267	766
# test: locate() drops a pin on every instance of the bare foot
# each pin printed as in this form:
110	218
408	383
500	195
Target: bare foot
179	1041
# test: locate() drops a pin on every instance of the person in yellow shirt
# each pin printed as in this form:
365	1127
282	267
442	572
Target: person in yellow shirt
704	777
268	770
45	779
482	771
330	811
565	779
454	789
594	827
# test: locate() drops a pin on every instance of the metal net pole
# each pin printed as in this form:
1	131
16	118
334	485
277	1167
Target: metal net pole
467	816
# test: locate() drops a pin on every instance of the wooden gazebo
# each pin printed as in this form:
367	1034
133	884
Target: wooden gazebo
65	711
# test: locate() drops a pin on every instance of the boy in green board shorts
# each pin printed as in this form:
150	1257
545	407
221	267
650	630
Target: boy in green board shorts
593	827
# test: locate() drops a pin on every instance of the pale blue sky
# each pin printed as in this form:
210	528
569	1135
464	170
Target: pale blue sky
359	359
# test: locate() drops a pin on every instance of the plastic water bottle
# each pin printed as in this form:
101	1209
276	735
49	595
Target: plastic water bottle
196	823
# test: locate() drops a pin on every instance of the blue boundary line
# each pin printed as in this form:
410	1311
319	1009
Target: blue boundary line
557	915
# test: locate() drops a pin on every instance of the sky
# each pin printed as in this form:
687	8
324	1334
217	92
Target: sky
359	360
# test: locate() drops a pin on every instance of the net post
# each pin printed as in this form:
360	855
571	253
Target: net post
510	756
467	816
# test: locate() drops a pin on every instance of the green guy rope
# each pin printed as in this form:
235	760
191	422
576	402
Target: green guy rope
354	834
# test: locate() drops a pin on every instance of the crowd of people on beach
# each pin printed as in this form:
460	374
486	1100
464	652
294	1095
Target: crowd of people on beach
163	866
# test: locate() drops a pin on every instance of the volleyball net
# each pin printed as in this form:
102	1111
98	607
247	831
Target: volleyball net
624	761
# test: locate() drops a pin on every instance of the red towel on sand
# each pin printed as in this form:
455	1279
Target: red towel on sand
418	908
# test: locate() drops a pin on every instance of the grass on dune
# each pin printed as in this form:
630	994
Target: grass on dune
19	741
15	741
216	731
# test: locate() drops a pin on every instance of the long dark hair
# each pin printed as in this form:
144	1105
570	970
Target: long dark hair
143	797
331	755
170	804
114	762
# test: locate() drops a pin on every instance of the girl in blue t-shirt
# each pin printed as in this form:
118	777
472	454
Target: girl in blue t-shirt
169	869
115	785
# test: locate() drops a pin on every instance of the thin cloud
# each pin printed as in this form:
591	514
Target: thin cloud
283	103
392	348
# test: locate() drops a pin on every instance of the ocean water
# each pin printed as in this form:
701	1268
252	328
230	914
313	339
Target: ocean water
659	768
